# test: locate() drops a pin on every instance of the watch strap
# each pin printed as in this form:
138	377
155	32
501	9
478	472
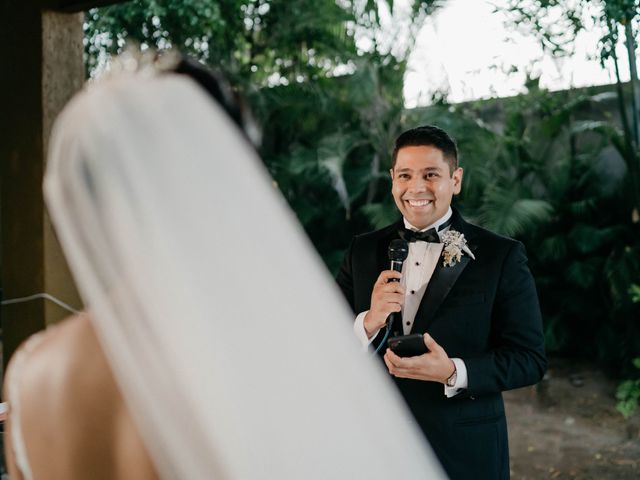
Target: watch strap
451	381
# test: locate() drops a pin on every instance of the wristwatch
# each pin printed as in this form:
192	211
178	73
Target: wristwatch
451	381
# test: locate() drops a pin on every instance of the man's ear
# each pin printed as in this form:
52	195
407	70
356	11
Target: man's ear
391	173
457	180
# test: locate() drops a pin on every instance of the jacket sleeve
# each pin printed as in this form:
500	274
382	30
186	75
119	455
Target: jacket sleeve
516	355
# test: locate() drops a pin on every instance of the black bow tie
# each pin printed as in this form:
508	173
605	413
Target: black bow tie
430	235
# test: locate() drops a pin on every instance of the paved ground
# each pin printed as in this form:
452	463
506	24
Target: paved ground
569	428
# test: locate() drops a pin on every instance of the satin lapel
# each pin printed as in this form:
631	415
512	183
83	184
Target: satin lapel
441	282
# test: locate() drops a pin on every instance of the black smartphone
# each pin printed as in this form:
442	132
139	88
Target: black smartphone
408	345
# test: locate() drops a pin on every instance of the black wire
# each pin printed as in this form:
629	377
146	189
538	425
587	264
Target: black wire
384	339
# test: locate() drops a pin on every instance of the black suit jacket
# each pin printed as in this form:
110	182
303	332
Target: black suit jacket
484	311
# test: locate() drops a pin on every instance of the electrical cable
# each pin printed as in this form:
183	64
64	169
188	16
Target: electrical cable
44	296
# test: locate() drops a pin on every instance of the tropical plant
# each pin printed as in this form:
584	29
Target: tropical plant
628	392
274	42
556	23
594	238
323	78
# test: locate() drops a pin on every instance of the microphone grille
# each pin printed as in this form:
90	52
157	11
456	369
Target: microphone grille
398	250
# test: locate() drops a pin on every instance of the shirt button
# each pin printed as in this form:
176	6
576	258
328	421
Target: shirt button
413	292
417	264
408	323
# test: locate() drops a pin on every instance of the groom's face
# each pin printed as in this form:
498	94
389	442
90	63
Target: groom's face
423	184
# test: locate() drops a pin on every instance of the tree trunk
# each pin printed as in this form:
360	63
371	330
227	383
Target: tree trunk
635	84
631	157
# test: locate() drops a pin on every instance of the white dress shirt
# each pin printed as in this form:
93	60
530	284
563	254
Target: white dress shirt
417	270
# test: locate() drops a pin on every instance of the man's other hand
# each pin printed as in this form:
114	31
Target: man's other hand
387	297
433	366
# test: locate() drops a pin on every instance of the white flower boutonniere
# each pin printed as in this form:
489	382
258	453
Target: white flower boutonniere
454	245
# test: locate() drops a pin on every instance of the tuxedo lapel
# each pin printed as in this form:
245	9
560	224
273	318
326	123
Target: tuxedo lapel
441	283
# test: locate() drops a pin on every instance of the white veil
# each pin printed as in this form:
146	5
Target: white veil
226	334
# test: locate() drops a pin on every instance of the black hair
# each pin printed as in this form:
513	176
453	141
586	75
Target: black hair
428	135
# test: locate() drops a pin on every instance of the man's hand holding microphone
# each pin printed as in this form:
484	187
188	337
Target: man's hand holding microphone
387	297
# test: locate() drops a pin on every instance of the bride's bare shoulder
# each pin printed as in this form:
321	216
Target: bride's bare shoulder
69	402
64	364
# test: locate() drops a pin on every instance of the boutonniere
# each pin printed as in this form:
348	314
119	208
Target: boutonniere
454	246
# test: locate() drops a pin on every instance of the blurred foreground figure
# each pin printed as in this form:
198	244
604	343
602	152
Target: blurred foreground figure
217	345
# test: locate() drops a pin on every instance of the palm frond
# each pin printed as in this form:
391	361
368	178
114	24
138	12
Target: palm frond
505	212
586	238
584	273
333	151
380	214
553	248
584	208
620	269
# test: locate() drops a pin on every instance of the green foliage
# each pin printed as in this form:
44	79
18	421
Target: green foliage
285	41
587	253
628	394
381	214
329	109
556	24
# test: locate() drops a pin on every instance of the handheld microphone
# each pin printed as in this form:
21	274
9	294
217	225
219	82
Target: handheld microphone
398	251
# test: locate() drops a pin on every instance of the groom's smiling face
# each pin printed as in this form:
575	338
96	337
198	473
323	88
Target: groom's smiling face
423	184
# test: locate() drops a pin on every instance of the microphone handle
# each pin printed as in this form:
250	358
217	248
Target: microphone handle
395	319
397	266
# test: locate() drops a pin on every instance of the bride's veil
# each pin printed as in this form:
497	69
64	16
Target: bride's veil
226	334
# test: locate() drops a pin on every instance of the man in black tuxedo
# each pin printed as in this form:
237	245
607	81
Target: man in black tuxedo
473	298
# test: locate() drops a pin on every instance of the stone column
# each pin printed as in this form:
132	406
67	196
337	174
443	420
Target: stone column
62	76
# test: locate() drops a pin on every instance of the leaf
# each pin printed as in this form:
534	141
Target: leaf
604	97
604	128
584	273
620	270
626	408
553	247
628	394
588	238
380	214
333	151
509	215
584	208
555	336
634	291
